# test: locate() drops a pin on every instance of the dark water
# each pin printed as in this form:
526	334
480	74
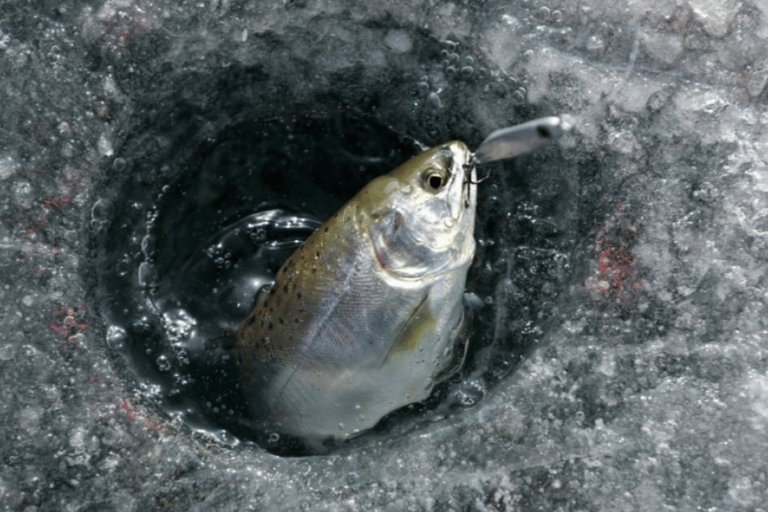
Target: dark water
201	214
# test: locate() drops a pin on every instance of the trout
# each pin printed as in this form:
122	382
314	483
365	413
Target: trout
367	315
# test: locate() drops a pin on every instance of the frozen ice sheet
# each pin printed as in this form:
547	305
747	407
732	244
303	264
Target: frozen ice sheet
649	390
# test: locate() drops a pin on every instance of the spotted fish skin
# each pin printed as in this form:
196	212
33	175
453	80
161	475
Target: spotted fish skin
364	317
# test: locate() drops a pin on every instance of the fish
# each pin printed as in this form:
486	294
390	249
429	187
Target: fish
367	316
363	318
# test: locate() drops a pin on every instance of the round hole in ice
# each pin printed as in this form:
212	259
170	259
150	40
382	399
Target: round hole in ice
208	200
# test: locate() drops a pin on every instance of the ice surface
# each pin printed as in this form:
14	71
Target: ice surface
649	388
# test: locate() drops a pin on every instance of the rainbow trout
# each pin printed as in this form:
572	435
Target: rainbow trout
366	316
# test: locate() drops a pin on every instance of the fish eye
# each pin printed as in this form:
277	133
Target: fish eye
435	181
543	132
434	178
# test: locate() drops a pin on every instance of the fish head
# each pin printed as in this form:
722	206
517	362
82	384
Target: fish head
423	213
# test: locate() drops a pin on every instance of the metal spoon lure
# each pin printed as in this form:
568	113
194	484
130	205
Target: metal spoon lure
515	140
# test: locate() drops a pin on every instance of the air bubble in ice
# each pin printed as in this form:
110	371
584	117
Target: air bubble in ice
8	166
116	337
623	142
119	164
146	274
467	71
595	43
22	194
179	325
470	392
259	235
163	364
399	41
433	101
104	145
148	245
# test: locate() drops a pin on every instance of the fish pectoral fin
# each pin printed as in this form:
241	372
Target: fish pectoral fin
460	333
414	329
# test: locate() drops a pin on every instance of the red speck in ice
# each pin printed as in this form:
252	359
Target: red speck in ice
152	424
124	405
614	271
615	262
68	326
133	416
30	231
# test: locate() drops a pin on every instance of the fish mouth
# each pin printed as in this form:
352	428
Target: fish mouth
468	168
459	162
